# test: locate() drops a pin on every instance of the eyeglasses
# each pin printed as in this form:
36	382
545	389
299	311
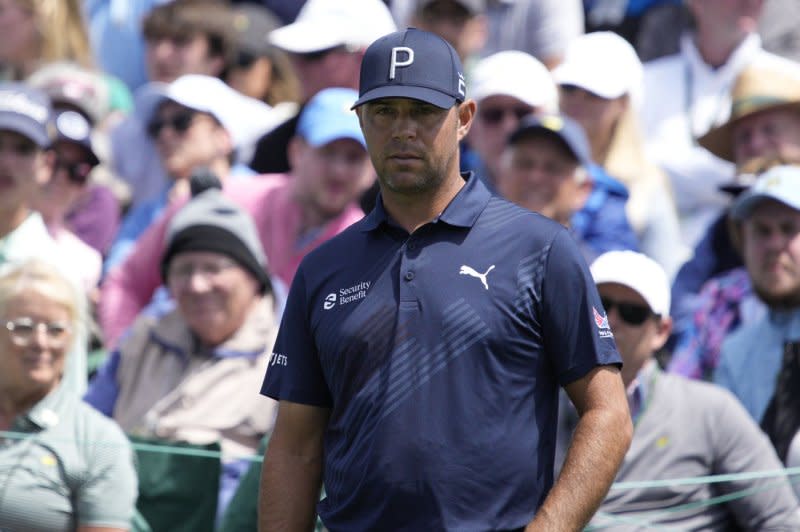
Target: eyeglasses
630	313
183	273
23	331
78	172
495	115
179	122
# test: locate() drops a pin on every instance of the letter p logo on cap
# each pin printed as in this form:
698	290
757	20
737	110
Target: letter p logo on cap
394	63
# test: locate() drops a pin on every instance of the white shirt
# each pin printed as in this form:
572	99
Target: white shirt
684	97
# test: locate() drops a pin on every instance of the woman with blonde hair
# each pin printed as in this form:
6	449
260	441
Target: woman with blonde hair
63	465
37	32
599	84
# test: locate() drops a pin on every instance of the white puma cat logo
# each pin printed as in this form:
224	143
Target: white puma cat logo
467	270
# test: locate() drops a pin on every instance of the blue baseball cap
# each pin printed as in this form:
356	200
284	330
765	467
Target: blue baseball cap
26	111
412	64
558	126
328	116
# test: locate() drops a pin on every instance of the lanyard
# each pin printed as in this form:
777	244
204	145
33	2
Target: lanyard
689	101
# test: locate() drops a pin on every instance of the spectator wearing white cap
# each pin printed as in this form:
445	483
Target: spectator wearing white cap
325	44
294	212
600	87
506	86
195	123
766	229
682	428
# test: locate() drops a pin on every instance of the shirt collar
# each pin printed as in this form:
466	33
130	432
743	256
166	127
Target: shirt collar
740	56
47	413
639	388
463	210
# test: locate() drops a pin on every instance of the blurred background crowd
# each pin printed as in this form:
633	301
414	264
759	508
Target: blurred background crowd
166	165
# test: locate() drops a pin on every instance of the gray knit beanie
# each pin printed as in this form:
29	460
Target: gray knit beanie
212	222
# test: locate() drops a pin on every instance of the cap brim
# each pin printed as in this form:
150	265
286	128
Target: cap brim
305	37
545	131
718	141
743	206
580	79
431	96
321	137
26	127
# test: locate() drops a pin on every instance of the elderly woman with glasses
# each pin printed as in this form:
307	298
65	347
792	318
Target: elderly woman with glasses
63	466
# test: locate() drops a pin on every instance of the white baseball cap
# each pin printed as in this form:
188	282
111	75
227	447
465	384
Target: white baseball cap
323	24
639	273
517	74
602	63
780	183
243	117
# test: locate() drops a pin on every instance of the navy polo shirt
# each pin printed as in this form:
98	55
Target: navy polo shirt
440	355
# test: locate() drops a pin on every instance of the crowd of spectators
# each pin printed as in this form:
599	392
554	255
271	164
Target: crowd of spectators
165	165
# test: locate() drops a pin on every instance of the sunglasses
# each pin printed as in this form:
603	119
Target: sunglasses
179	122
78	172
630	313
495	115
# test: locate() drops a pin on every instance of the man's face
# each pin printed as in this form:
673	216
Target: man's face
413	144
771	133
636	339
213	292
18	32
329	177
451	21
24	167
540	175
170	57
771	252
187	139
335	67
726	15
497	117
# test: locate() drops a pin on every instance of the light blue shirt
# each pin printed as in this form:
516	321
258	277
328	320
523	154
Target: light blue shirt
751	359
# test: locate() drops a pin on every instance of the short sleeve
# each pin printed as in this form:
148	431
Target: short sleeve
111	470
577	336
294	372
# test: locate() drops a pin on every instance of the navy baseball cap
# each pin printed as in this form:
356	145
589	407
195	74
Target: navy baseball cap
558	126
412	64
26	111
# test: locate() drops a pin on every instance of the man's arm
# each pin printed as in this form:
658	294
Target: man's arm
291	477
598	446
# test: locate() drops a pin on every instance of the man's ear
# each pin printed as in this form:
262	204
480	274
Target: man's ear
466	113
295	150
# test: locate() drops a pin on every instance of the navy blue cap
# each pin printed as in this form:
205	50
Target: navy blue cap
26	111
559	126
412	64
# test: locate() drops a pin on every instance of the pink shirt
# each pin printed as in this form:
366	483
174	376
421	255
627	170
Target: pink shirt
129	287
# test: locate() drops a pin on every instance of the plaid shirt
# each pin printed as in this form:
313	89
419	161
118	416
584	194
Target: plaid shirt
724	303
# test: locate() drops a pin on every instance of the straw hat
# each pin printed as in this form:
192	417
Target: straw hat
758	88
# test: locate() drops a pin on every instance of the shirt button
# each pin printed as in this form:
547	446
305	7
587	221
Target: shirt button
409	275
411	245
